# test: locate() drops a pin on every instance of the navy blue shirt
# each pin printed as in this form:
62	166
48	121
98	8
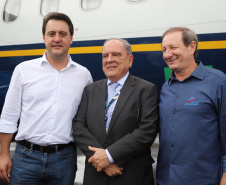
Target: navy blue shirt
192	129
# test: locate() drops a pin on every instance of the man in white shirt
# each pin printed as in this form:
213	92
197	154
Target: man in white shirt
44	94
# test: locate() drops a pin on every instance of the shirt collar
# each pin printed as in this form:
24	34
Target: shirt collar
70	62
121	81
197	73
43	59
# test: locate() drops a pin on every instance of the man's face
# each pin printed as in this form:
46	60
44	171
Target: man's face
57	39
177	56
116	62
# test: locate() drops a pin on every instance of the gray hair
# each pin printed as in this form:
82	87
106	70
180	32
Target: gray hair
187	36
126	44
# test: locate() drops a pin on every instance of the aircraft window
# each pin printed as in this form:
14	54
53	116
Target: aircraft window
11	10
90	4
49	6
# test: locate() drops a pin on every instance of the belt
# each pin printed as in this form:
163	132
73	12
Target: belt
44	148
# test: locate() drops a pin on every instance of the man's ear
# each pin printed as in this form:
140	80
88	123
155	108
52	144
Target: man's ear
131	57
43	36
71	39
193	47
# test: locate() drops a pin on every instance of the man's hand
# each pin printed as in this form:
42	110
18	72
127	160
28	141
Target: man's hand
113	170
223	179
5	161
5	168
99	160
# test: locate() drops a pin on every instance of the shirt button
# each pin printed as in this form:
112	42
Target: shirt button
174	112
173	128
172	145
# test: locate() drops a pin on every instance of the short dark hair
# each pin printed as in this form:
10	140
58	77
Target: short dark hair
187	36
57	16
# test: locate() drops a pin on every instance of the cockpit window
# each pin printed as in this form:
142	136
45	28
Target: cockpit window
11	10
90	4
49	6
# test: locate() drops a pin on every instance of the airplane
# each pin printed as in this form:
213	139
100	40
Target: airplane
141	22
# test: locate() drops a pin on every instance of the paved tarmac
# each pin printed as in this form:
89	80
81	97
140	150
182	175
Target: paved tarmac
81	161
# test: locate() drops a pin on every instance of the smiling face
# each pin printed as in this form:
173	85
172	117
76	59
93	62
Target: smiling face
178	57
116	61
57	39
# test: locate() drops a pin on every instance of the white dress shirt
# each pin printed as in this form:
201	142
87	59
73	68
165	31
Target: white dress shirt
45	100
111	108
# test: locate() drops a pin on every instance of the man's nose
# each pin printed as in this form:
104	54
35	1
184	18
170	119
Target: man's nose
167	54
57	38
110	58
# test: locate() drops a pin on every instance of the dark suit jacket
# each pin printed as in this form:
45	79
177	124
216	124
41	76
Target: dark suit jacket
132	131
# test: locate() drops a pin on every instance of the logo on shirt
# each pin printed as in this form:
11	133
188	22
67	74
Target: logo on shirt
192	101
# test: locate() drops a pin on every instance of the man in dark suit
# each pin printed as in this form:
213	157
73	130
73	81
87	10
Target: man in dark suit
116	126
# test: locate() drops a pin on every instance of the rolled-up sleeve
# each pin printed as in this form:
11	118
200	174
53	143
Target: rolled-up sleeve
12	106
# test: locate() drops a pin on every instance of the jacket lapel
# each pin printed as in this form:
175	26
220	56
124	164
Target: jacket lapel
126	91
100	103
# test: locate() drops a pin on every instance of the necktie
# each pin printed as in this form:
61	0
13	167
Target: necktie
112	90
111	94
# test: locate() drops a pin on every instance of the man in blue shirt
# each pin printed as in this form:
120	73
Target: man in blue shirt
192	116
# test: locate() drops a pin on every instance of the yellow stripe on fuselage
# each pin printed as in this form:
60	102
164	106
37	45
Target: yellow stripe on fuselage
85	50
18	53
212	45
98	49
